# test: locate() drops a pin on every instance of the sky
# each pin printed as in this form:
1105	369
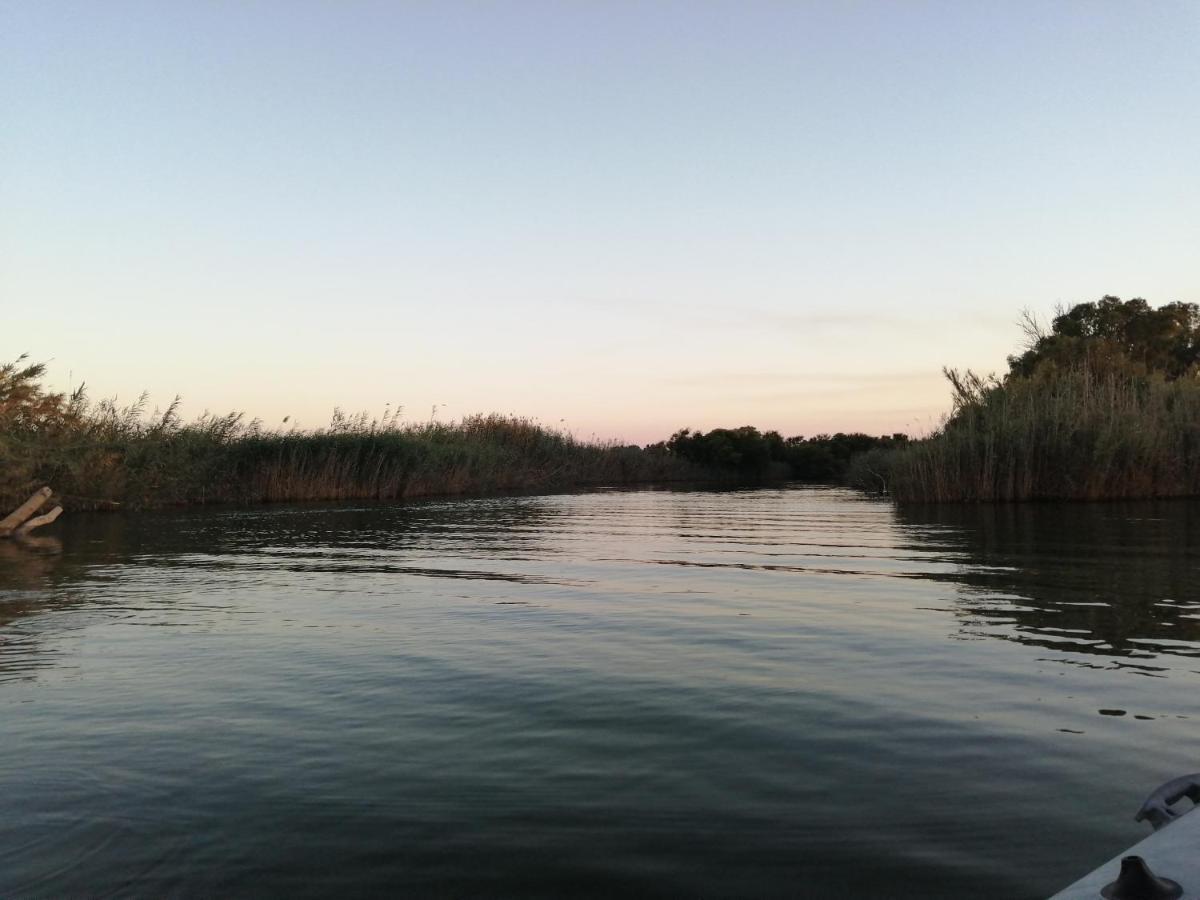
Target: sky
619	218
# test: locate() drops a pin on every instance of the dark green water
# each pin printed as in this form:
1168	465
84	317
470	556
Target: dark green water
761	693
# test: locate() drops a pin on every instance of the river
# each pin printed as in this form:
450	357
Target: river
786	692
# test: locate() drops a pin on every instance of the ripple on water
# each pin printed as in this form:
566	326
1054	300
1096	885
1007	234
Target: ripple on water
650	692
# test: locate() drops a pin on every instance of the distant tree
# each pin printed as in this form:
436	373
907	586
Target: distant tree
750	452
1111	333
826	457
744	449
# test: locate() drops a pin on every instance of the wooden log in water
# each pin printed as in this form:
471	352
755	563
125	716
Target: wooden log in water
17	517
38	522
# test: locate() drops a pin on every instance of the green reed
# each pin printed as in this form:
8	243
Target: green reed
98	455
1076	433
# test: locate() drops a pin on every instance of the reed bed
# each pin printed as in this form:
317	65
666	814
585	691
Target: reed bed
219	461
1075	434
100	455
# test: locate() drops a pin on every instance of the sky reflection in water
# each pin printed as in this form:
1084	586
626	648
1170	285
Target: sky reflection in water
771	693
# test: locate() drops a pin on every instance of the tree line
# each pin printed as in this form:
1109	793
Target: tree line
1102	402
757	454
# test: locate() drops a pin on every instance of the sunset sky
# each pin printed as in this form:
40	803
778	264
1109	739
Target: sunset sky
624	217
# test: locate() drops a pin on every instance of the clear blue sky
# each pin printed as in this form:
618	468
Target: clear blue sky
629	216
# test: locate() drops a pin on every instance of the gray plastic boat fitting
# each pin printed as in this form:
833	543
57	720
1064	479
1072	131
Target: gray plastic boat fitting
1157	807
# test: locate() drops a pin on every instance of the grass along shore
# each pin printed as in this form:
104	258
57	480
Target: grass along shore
1102	405
1074	435
101	456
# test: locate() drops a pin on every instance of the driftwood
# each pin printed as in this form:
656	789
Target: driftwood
18	522
39	521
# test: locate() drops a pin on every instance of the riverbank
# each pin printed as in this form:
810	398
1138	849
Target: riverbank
108	463
1076	434
1104	404
101	456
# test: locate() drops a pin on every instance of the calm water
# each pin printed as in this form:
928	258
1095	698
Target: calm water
759	693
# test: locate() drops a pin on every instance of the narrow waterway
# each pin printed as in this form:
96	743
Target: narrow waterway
780	692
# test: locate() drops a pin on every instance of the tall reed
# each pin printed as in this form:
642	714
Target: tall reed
98	455
1076	433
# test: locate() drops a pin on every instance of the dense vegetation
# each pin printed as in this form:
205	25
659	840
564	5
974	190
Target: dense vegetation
98	455
1104	404
1114	336
755	454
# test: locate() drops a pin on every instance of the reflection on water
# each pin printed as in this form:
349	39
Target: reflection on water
1111	580
758	693
28	562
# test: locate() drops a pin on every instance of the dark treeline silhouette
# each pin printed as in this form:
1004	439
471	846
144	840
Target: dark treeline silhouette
1111	334
756	454
1105	404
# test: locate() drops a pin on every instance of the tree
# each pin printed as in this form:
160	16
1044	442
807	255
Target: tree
1111	333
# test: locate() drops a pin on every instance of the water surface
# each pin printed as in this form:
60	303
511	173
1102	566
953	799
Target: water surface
782	692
